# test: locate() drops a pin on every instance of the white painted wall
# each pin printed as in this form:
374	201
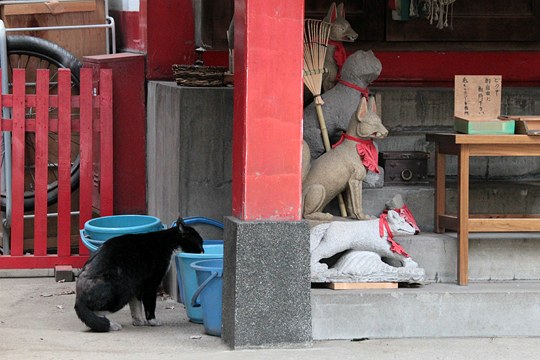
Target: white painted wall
124	5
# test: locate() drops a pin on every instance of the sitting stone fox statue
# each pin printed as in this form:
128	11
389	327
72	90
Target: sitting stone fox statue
340	32
344	166
359	70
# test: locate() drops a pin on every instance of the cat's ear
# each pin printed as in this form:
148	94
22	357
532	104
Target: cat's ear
180	224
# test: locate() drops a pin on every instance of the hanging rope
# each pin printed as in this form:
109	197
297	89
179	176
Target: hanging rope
438	11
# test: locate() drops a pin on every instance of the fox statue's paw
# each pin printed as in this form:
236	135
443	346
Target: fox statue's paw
320	216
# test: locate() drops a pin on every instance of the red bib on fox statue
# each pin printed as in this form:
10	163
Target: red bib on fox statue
366	150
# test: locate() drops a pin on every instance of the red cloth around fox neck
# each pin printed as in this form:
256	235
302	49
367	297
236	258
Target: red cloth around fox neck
366	149
340	55
363	91
394	246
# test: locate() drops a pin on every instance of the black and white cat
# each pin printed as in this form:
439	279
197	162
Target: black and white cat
129	269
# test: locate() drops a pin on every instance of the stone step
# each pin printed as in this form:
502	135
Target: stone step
492	256
489	309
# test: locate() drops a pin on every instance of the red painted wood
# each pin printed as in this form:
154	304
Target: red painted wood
41	162
40	262
106	143
43	102
129	128
216	58
170	33
417	67
132	30
267	118
17	145
85	188
64	162
437	68
30	125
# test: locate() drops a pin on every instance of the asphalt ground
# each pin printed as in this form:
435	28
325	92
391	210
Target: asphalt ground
37	321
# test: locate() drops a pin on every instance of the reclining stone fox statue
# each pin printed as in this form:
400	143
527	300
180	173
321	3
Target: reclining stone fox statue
366	244
344	167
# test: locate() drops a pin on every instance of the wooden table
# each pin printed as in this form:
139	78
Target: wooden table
466	146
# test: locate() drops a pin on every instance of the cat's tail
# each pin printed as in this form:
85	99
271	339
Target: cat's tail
93	321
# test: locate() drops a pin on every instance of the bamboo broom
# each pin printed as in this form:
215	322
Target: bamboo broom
316	35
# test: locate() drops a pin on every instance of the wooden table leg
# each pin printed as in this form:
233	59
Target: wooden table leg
463	215
440	187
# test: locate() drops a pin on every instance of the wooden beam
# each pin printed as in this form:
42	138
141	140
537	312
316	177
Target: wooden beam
364	285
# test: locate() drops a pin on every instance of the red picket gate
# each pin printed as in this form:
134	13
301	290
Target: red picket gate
94	126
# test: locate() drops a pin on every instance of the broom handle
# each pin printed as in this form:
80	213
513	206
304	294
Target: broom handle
324	130
326	142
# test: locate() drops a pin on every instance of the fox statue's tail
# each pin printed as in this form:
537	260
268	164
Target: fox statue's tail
93	321
306	159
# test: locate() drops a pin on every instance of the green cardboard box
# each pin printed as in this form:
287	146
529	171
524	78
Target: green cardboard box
484	127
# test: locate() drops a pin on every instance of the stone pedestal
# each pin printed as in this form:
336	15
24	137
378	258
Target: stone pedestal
266	284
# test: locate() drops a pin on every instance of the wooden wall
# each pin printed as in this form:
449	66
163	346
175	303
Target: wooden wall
478	25
80	42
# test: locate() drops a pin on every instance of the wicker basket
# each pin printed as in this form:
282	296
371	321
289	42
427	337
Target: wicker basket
197	75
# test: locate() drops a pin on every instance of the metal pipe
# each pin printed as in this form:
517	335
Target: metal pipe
112	35
64	27
6	164
31	216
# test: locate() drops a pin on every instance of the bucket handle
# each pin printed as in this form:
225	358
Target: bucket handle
197	292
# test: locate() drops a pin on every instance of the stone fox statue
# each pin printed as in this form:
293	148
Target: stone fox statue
334	237
344	166
366	244
335	54
360	69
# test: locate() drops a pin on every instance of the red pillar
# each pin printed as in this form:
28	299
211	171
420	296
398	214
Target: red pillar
267	134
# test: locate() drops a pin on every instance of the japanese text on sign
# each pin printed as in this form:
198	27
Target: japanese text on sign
477	97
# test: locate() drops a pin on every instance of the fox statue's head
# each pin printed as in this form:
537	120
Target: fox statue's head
341	29
365	122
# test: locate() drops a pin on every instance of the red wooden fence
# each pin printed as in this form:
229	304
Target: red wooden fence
94	125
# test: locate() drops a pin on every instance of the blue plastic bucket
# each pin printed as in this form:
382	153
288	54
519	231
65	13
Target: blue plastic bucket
97	231
196	220
187	279
201	220
209	293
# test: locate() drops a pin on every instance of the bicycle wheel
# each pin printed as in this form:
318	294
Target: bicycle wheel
33	53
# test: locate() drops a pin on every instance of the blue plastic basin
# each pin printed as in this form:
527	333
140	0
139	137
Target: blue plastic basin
97	231
106	227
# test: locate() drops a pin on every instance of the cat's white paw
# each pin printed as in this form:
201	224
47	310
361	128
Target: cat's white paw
115	326
154	322
139	322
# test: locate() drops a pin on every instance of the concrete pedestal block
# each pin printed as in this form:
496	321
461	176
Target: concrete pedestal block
266	284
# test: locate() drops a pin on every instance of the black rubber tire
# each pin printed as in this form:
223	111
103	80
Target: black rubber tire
61	58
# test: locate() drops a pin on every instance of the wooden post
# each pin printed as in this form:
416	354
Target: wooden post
267	133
